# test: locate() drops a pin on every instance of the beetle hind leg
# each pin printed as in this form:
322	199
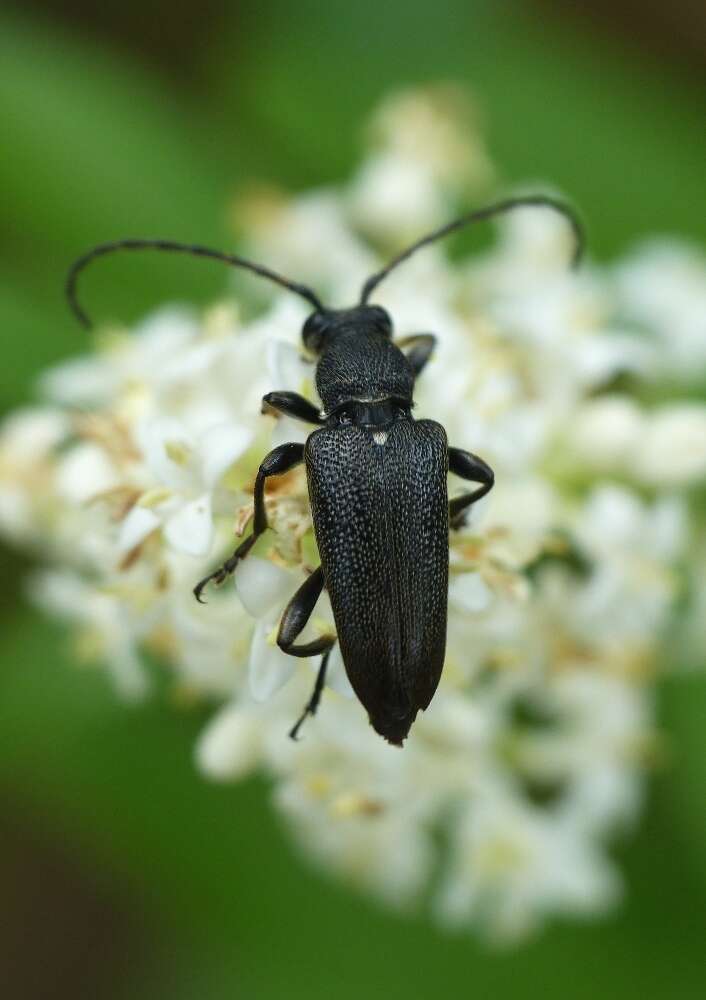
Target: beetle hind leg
313	703
468	466
295	617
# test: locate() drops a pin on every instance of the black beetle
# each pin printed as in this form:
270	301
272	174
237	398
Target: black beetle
377	488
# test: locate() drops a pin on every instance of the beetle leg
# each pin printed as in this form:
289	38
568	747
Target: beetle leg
279	460
294	619
468	466
293	405
313	702
418	348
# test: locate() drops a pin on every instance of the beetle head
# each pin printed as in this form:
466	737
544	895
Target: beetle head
324	324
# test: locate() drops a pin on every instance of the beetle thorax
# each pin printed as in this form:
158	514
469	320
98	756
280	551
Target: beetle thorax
357	366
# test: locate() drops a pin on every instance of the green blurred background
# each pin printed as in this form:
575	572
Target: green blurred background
123	873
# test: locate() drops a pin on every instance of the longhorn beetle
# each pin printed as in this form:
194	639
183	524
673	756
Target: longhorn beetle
377	488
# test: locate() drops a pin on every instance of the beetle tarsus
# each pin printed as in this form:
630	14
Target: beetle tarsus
221	574
218	577
459	521
313	703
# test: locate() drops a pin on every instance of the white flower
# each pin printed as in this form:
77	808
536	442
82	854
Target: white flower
185	471
662	288
422	156
264	590
28	437
673	449
106	629
136	479
664	447
606	434
230	747
309	237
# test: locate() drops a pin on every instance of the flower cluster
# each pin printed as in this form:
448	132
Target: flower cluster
134	478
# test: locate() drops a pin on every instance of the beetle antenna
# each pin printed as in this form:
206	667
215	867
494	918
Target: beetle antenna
171	246
498	208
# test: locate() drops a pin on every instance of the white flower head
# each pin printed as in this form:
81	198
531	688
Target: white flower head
136	479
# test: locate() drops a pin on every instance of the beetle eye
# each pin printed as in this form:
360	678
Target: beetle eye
381	318
345	416
314	331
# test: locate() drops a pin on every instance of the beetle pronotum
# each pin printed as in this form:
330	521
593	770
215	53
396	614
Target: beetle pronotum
377	488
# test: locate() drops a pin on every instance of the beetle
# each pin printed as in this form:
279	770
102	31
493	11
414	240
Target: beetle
377	482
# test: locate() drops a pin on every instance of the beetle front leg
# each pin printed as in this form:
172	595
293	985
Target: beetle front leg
418	348
293	405
296	615
468	466
279	460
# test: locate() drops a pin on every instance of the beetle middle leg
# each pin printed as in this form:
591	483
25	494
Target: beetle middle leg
279	460
296	615
418	348
468	466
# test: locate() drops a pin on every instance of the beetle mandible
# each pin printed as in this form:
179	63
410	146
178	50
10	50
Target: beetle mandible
377	489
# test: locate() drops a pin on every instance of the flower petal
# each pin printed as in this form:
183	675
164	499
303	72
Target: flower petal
673	450
262	586
287	430
220	446
168	449
138	524
190	530
84	472
269	667
286	367
32	432
230	745
469	592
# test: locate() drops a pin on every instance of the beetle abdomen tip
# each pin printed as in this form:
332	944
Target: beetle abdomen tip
395	731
